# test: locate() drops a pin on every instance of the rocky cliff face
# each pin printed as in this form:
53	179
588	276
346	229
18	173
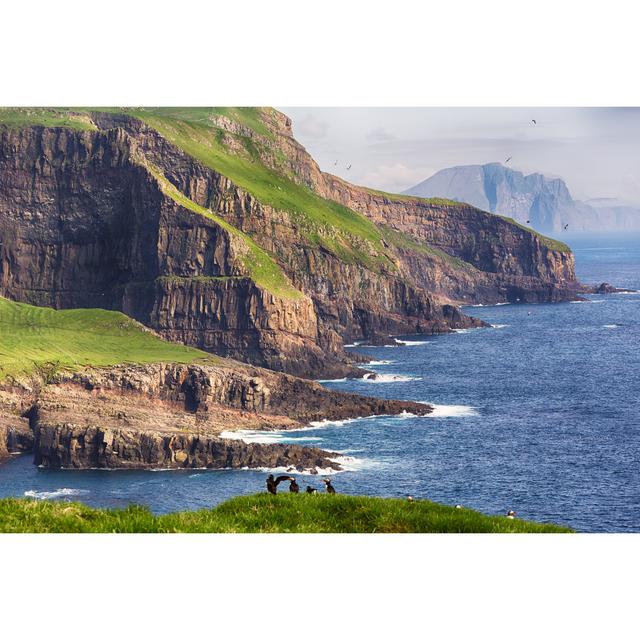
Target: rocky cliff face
121	218
79	447
173	416
457	251
464	253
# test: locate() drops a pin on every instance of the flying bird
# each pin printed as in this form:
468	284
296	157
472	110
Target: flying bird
528	221
566	226
335	163
534	122
349	167
507	160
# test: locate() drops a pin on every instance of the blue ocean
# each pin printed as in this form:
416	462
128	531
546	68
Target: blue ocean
539	414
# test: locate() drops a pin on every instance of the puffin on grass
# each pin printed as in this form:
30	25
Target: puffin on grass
272	483
511	514
294	487
328	486
311	489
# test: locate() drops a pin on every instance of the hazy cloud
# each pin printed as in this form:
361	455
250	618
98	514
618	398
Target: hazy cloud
380	134
311	127
395	177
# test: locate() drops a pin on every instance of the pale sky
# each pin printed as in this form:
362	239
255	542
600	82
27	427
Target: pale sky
595	150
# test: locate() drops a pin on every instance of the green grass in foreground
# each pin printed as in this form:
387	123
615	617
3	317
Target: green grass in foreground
263	513
31	337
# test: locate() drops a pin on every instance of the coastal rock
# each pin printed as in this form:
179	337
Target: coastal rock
71	446
174	416
15	435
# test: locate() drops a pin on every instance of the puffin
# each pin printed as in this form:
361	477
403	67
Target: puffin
511	514
272	483
311	489
294	487
409	498
328	486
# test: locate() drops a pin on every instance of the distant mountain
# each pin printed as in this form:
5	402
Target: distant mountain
540	201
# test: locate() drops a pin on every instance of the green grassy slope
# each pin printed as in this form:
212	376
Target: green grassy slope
263	513
345	233
262	268
15	118
31	337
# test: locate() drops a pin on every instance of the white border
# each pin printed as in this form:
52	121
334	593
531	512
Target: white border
462	53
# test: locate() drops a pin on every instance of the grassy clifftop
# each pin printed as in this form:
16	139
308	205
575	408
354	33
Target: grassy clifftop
263	513
31	337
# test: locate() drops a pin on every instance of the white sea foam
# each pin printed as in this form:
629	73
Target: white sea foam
585	301
452	411
321	424
610	326
409	343
353	344
332	380
499	326
58	493
378	363
346	462
266	437
388	377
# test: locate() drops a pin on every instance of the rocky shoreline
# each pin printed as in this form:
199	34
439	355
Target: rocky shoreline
171	416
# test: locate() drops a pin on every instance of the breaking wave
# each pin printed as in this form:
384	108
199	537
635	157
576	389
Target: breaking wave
585	301
58	493
388	377
452	411
251	436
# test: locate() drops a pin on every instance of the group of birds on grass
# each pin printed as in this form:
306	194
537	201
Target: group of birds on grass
294	487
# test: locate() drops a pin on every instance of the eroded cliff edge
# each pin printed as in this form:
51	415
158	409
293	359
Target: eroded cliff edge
172	416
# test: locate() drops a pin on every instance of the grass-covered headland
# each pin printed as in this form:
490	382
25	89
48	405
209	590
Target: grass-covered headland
264	513
32	337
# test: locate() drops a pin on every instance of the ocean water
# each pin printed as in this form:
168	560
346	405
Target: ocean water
540	414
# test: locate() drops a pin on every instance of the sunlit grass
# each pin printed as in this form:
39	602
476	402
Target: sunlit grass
263	513
33	336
